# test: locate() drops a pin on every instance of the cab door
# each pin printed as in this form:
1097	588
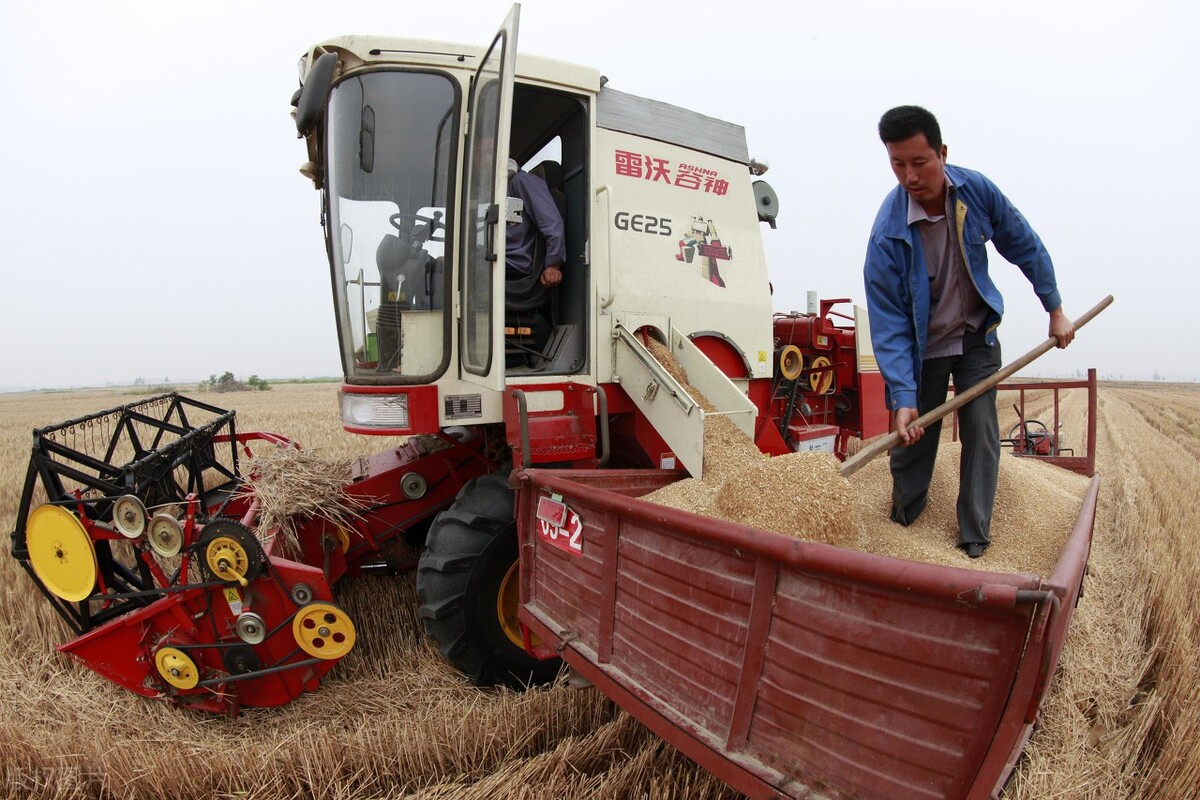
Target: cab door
485	178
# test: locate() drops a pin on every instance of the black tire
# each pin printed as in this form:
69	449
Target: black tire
470	550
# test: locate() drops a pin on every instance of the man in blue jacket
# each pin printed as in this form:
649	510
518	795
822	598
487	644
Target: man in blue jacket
934	311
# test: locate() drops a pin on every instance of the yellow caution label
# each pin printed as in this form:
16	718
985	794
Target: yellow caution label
234	599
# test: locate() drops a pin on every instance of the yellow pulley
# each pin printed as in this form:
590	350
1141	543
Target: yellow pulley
323	631
230	552
227	559
177	668
820	378
791	362
61	552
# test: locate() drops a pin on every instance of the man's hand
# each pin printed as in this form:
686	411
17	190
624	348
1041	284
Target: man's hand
1061	327
551	276
909	434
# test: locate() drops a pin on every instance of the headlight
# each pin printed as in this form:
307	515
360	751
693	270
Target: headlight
375	410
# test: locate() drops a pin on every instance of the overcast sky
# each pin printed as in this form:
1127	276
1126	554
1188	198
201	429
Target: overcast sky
155	226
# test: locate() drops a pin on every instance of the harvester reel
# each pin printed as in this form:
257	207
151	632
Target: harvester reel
230	552
129	516
166	535
323	631
61	553
177	668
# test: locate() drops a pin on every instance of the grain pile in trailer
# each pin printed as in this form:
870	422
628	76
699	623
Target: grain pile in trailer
804	495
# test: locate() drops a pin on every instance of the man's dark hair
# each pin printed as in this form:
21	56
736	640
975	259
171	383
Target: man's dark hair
905	122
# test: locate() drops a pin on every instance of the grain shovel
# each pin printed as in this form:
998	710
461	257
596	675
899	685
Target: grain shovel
859	460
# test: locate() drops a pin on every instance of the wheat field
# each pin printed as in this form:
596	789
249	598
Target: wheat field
393	721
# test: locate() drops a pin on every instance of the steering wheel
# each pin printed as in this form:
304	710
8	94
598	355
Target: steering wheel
1035	431
433	222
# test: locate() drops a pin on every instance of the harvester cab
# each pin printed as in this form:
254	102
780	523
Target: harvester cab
409	141
410	144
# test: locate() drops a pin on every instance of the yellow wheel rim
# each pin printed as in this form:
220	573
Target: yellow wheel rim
820	382
177	668
791	362
227	559
323	631
508	600
61	553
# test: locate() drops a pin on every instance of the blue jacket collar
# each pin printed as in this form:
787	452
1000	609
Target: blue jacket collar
896	205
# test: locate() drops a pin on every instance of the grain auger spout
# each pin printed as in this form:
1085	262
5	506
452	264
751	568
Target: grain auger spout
665	398
142	528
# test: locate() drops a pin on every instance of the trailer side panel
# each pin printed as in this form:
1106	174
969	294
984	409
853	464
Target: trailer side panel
785	666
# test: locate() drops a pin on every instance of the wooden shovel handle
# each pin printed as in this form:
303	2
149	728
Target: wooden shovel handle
859	460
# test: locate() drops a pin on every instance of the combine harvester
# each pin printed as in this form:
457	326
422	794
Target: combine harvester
788	668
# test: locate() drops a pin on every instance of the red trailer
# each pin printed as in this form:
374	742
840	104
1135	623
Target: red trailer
791	668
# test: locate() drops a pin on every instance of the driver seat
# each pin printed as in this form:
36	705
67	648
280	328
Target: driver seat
396	257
